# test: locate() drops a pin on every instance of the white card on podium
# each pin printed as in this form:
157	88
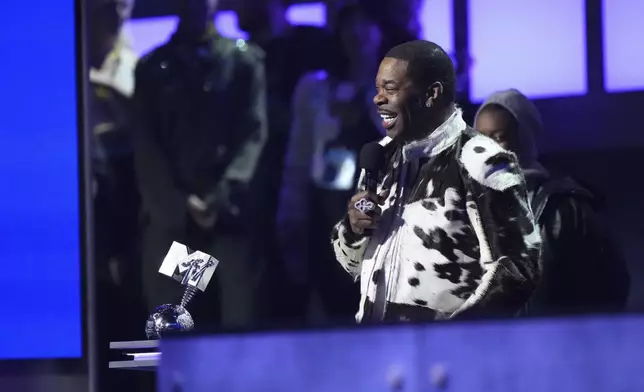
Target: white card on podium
176	253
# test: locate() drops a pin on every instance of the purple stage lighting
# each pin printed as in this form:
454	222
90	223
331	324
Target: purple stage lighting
623	59
146	34
536	46
437	20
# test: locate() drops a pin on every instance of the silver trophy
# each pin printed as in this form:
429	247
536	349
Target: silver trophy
194	271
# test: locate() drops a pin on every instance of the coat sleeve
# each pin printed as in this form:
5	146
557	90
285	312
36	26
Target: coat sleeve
349	247
509	238
162	200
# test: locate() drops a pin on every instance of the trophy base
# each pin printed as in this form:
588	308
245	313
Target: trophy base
168	318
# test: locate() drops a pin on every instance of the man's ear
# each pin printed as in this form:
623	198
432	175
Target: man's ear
434	93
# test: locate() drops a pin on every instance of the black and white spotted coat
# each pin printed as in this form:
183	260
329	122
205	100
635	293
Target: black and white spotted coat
457	237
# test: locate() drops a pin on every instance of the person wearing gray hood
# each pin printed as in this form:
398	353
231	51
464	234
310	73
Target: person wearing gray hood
583	271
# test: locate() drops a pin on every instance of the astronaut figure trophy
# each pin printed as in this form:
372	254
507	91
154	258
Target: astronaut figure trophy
193	269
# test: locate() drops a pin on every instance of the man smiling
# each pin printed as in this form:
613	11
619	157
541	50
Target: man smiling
452	234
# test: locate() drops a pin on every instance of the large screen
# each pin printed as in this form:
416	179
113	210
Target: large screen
437	19
536	46
39	202
623	70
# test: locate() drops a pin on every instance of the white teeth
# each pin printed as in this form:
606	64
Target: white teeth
388	119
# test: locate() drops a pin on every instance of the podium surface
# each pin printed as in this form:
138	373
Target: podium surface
572	355
127	349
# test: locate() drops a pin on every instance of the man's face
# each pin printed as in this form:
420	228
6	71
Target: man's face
499	124
398	100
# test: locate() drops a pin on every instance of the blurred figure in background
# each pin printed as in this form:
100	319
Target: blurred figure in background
112	64
290	52
201	127
333	119
116	198
582	269
399	20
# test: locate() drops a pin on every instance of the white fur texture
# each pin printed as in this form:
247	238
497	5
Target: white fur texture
474	155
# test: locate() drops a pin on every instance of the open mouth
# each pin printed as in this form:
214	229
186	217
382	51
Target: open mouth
388	119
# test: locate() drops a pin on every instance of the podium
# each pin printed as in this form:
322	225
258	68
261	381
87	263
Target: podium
572	355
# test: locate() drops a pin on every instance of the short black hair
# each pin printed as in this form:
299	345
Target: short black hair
427	63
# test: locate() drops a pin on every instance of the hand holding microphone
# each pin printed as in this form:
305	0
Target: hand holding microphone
364	207
364	211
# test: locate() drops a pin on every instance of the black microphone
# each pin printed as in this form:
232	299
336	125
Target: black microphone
372	159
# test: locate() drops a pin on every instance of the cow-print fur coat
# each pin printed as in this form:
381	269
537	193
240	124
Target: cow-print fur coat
456	238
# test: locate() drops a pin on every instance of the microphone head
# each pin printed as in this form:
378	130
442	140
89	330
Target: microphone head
372	157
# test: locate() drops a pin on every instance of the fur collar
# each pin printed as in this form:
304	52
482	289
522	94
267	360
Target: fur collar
438	141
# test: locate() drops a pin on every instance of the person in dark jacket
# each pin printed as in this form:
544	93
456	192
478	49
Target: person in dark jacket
582	269
200	106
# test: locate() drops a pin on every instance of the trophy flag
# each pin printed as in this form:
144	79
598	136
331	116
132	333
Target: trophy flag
190	268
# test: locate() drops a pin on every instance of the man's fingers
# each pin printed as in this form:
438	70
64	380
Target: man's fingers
363	223
357	197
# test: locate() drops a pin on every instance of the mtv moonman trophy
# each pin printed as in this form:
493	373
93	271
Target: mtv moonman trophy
193	270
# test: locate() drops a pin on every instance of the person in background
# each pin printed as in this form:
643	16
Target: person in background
290	52
333	119
399	20
200	107
112	63
582	269
116	198
448	234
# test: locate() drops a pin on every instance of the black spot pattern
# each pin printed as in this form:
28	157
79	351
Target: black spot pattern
335	234
465	242
456	215
449	271
430	205
438	239
375	276
479	149
414	282
474	273
502	161
419	267
420	302
443	171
